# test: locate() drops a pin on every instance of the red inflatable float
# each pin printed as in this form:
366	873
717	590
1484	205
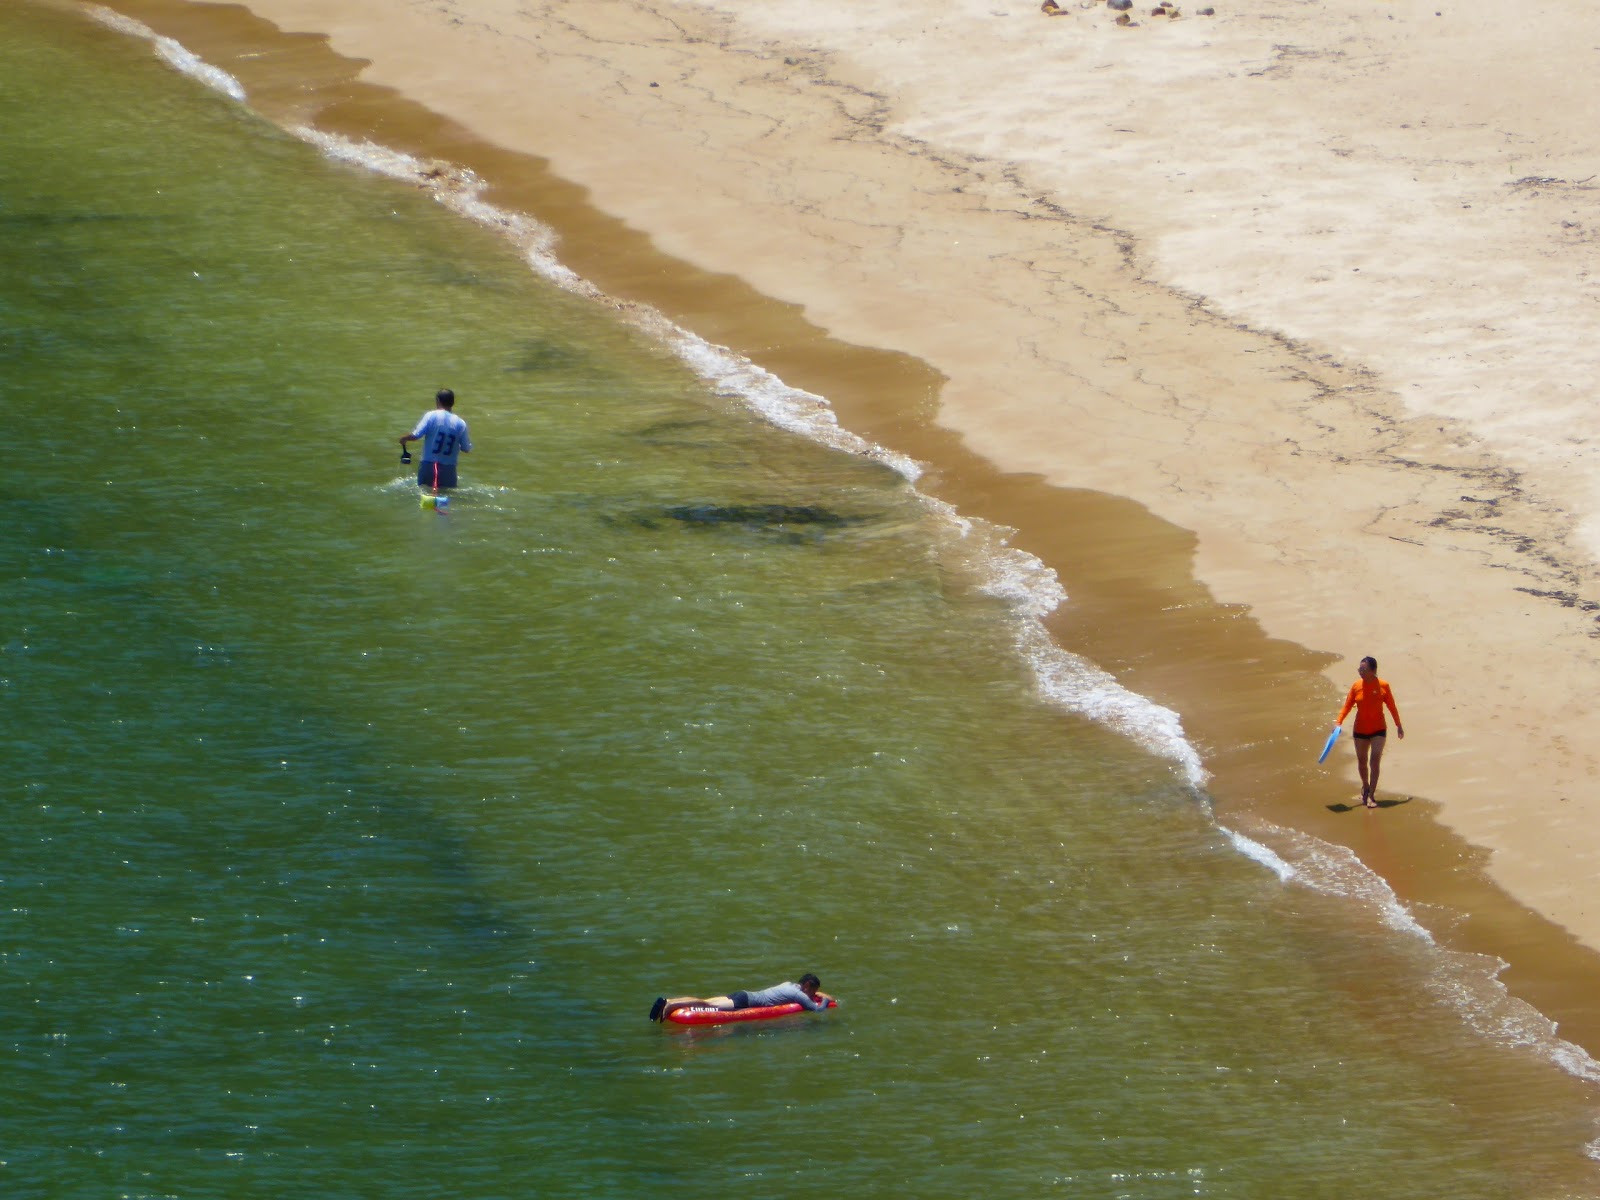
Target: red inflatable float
701	1015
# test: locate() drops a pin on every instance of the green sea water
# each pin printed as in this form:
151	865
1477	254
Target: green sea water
346	844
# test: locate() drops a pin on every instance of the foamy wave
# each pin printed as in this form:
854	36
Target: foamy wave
459	190
791	408
174	53
1077	684
1336	871
1468	983
1031	590
1020	579
1256	852
1496	1014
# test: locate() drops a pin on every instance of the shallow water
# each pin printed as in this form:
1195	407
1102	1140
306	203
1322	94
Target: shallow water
349	843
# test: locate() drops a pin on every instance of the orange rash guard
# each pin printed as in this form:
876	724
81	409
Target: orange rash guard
1367	697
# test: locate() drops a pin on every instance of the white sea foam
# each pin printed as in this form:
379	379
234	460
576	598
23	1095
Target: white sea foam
1335	870
790	408
1032	591
1079	685
174	53
1256	852
1466	982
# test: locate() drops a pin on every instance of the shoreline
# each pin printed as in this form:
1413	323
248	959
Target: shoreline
994	450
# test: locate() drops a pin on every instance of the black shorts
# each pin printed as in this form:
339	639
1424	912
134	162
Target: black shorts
1375	733
446	477
740	1000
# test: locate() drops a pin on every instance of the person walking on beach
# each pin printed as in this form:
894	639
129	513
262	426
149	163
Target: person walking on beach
805	994
443	436
1369	695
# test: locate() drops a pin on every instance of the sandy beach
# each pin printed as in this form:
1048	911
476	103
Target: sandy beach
1271	331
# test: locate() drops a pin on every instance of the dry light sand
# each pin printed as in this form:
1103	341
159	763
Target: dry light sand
1316	285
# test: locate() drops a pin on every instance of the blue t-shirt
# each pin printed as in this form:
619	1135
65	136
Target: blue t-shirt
444	435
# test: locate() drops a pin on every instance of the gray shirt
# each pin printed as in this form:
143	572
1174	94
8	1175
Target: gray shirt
783	993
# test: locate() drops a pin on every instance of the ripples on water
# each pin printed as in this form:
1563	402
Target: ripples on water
348	843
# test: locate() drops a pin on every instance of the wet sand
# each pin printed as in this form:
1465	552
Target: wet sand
1238	493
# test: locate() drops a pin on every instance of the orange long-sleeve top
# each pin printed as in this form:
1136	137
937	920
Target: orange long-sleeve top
1368	697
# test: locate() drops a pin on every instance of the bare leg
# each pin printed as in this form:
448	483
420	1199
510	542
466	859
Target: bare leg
1377	757
1363	746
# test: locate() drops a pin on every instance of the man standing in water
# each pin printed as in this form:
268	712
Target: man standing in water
443	436
1368	696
